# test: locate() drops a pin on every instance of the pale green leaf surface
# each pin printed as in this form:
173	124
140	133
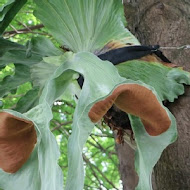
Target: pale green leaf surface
168	82
101	77
149	149
84	25
41	72
43	46
8	11
72	92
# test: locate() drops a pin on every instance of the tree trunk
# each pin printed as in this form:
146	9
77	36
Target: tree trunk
126	167
167	23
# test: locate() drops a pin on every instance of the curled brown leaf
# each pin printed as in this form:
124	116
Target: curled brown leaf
17	140
136	100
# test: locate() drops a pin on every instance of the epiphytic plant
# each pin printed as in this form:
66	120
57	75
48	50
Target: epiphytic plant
90	31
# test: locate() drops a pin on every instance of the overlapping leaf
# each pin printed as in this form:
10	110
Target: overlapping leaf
8	11
168	82
44	47
84	25
145	150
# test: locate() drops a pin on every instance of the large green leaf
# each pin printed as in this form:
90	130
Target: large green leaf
8	11
149	149
43	46
84	25
168	82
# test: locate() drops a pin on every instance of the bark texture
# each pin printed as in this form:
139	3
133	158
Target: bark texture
167	23
126	167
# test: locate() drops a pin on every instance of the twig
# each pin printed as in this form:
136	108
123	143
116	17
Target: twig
24	30
14	29
91	180
23	24
27	32
92	170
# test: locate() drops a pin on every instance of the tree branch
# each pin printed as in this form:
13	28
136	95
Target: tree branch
24	30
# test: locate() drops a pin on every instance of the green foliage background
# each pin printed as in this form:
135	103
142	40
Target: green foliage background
100	158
